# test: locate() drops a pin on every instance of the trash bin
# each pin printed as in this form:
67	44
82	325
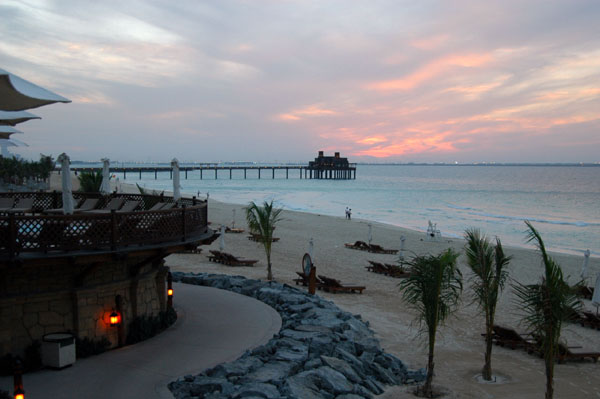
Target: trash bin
58	350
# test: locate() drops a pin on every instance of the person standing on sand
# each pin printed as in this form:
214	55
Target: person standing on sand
346	212
349	214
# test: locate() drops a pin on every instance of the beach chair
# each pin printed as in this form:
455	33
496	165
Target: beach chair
215	256
334	286
257	237
157	206
231	260
507	337
590	319
378	249
87	205
6	204
376	267
396	271
359	245
169	205
566	353
233	230
113	205
25	205
129	206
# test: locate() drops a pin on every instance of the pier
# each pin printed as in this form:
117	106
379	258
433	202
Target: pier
334	168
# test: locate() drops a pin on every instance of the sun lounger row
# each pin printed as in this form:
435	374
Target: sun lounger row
228	259
9	205
233	230
258	237
509	338
387	269
363	246
329	284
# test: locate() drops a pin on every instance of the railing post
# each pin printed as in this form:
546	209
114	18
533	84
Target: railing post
12	232
113	230
19	392
183	223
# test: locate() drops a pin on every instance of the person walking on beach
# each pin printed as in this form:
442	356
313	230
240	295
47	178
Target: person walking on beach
349	214
346	212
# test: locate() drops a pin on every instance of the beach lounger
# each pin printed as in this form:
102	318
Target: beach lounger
25	205
334	286
229	260
378	249
360	245
114	204
6	204
590	319
87	205
129	206
233	230
566	353
507	337
157	206
258	237
169	205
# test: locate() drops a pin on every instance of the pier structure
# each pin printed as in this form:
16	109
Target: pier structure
336	170
331	167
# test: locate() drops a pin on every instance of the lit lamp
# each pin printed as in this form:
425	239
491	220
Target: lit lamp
169	290
19	394
114	319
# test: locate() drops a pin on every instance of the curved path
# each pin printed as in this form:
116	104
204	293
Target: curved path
213	326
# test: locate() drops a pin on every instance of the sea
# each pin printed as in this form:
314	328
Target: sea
562	202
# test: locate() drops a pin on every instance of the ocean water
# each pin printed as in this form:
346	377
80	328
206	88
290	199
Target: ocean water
563	202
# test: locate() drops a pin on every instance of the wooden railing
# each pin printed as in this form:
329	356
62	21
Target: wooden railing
41	234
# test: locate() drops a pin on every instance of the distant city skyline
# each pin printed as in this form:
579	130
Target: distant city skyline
382	81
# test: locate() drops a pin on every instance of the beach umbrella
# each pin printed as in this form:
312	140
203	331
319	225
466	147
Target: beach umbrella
6	131
596	296
16	117
17	94
584	265
311	246
105	186
67	186
176	187
401	252
4	144
233	219
222	238
370	233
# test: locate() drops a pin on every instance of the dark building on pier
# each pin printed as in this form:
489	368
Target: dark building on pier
331	167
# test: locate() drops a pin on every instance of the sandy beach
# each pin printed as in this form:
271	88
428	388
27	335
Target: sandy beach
459	349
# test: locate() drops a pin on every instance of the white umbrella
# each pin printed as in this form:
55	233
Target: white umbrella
311	246
16	117
584	265
105	186
6	131
233	219
4	144
222	238
401	252
596	296
176	187
67	186
370	233
17	94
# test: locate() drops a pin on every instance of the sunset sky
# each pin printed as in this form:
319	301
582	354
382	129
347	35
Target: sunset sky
277	80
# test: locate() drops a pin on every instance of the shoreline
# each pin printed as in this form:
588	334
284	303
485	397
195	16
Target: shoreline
459	347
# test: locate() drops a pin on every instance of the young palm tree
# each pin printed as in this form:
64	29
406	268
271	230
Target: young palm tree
262	221
433	290
90	182
488	266
546	306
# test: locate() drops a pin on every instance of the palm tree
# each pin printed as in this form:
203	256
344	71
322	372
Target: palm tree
90	182
546	306
488	266
433	290
262	221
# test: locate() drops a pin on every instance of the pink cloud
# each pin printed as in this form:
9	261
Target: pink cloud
310	111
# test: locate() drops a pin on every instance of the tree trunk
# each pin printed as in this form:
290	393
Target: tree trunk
549	379
487	367
427	390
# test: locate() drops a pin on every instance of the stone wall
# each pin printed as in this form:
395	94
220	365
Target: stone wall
77	296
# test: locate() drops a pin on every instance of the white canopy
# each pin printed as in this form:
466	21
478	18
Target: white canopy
6	131
596	296
176	186
67	185
105	186
16	117
17	94
222	239
584	265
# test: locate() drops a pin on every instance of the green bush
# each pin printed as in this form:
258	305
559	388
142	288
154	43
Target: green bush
90	182
16	171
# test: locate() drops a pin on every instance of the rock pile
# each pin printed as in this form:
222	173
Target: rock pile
320	352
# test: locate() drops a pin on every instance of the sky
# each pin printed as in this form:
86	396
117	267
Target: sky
278	80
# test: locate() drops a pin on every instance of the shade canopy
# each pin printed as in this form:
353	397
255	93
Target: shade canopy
6	131
222	239
67	185
176	185
17	94
596	296
15	117
584	265
105	185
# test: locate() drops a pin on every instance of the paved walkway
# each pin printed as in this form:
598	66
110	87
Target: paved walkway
213	326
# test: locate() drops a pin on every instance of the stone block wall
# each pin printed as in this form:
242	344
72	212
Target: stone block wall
76	297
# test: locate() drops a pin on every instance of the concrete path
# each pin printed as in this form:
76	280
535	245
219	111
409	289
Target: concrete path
213	326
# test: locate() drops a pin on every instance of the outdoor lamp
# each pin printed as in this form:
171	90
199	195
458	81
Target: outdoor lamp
114	319
19	394
170	292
